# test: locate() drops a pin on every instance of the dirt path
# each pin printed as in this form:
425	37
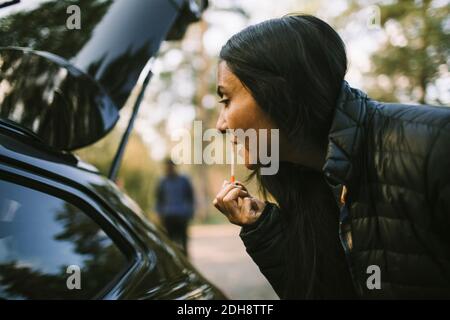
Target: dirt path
219	254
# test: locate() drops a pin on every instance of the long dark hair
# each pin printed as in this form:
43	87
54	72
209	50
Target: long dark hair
294	67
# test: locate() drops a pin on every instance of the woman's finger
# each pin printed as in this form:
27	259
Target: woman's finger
241	184
222	193
234	194
249	213
240	215
226	187
247	206
229	205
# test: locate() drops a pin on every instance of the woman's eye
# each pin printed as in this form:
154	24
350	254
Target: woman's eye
225	102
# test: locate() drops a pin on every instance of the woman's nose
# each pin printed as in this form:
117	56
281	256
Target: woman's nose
221	124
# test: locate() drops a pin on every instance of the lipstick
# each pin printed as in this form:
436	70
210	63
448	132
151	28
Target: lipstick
233	153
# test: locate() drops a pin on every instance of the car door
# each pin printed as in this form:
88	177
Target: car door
56	245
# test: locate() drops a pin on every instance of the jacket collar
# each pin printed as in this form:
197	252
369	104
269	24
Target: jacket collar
345	136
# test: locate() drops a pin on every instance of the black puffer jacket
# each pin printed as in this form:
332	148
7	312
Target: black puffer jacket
394	161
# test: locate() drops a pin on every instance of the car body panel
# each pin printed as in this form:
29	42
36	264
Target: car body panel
159	270
78	79
63	106
116	40
114	43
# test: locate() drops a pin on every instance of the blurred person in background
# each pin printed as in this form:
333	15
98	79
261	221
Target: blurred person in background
362	197
175	204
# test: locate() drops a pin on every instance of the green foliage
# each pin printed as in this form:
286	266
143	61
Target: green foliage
24	29
416	53
426	48
138	173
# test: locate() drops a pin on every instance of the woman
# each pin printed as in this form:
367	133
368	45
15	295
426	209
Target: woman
363	189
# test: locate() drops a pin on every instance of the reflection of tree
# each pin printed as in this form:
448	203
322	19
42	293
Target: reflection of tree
79	229
45	27
62	108
102	262
25	283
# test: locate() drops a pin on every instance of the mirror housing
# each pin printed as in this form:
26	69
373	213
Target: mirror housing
43	93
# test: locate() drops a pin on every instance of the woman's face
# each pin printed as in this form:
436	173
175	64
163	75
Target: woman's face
239	110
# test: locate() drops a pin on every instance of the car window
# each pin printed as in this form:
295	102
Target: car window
50	249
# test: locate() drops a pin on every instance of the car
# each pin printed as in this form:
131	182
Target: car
66	231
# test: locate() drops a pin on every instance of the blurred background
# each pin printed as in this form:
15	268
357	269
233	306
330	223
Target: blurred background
398	51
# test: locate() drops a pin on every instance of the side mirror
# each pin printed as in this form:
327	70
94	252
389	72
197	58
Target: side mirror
45	94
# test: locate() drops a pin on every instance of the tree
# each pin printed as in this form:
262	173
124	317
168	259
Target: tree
138	173
416	53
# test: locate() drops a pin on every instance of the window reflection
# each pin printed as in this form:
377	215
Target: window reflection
40	236
45	94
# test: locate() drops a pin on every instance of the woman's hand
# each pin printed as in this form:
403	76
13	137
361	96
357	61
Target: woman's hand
234	201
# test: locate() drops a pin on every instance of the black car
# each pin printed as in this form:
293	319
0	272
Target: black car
66	231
